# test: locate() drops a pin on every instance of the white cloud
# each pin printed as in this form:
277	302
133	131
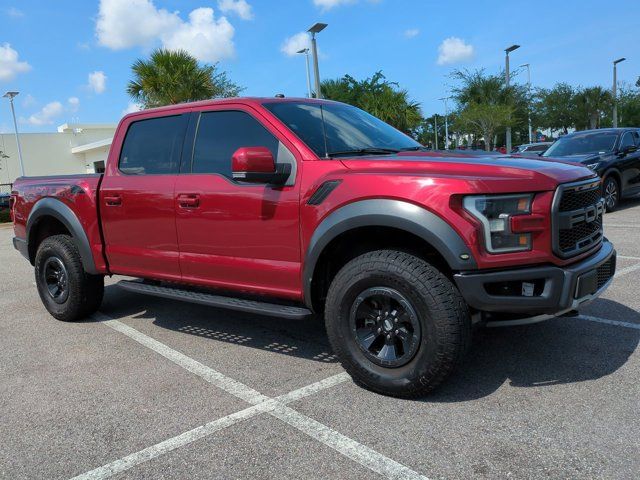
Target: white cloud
412	32
29	101
131	108
10	66
73	104
138	23
97	82
13	12
329	4
47	115
239	7
205	38
454	50
294	44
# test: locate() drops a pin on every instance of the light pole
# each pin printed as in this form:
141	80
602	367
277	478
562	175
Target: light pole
508	51
10	96
529	99
316	28
305	51
615	91
446	122
435	128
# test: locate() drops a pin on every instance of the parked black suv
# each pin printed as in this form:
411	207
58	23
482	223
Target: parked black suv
614	153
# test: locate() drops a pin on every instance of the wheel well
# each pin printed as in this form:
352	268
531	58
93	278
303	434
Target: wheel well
358	241
45	227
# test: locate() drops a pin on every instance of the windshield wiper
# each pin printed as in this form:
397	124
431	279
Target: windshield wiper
419	148
366	151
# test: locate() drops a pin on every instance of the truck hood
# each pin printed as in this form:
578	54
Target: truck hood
498	170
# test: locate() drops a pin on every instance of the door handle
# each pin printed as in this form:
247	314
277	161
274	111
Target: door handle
113	200
189	200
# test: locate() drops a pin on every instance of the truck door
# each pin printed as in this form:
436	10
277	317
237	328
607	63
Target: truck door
136	198
236	235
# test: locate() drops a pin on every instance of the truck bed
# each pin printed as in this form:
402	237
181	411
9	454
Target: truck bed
77	192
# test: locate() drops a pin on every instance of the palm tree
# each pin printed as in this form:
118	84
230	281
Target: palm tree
378	96
175	76
592	104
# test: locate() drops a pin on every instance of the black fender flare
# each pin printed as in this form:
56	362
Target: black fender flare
52	207
387	213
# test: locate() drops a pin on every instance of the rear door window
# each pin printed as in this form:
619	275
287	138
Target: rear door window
153	146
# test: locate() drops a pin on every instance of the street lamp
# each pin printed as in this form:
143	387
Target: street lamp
435	128
615	90
10	96
446	122
305	51
529	99
508	51
316	28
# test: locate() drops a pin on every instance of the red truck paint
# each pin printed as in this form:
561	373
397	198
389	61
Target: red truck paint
146	226
384	241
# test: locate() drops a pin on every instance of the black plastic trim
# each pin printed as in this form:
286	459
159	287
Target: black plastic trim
212	300
387	213
52	207
561	285
323	191
21	245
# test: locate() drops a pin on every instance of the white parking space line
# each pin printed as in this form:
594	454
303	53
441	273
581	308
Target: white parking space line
210	375
619	225
276	407
635	326
627	270
627	257
348	447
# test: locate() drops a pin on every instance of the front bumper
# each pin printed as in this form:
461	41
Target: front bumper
546	290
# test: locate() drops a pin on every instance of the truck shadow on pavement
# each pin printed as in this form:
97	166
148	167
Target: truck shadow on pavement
556	352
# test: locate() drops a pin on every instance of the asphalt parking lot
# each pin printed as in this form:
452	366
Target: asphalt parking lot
156	389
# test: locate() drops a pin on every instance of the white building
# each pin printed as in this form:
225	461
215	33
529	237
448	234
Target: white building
74	148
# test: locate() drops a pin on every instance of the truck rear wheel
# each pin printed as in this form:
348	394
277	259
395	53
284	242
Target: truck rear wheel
66	290
397	324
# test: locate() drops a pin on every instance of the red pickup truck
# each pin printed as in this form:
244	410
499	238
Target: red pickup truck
289	207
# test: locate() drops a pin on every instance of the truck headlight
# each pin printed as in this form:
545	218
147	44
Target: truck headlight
494	213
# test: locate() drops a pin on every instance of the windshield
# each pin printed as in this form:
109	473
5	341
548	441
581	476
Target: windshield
334	129
583	143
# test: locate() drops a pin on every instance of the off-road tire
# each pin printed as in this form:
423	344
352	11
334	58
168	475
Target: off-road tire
85	291
443	315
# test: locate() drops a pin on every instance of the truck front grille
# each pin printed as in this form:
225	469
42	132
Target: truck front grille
577	218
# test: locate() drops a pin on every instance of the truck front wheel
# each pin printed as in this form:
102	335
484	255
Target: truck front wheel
66	290
397	324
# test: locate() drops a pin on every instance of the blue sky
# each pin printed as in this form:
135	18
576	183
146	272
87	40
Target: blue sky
71	59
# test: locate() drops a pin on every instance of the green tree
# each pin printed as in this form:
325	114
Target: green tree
479	88
592	105
174	76
629	106
485	119
378	96
555	108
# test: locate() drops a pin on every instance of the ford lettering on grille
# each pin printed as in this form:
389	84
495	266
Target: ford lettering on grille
577	218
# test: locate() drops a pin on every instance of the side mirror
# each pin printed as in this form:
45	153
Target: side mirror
256	165
627	150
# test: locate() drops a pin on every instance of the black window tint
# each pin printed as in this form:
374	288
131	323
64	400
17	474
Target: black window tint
220	134
627	140
153	146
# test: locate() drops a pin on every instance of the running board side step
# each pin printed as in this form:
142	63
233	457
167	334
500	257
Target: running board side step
249	306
